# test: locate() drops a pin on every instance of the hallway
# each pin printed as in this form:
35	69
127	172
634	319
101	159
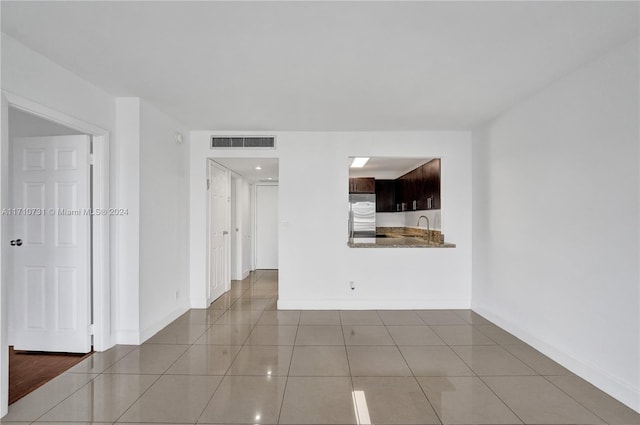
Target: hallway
241	361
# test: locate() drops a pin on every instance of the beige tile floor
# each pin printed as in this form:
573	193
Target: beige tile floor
243	362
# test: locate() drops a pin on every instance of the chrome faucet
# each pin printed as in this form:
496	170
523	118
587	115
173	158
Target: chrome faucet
428	230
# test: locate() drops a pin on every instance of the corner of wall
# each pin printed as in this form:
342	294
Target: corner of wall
127	228
158	325
480	165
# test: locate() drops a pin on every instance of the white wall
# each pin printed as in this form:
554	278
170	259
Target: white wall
35	77
164	203
135	127
126	306
23	124
556	231
152	260
316	265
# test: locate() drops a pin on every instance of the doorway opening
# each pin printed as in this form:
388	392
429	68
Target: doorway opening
56	270
29	370
249	214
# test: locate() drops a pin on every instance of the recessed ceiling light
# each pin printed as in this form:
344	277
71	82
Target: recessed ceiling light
258	167
270	178
359	162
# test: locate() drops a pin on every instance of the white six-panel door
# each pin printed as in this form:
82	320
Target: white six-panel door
218	262
50	292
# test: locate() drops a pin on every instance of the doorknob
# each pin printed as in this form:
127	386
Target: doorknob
16	242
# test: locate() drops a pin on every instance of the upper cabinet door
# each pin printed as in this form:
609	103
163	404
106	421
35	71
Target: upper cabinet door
431	173
362	185
399	188
410	190
385	195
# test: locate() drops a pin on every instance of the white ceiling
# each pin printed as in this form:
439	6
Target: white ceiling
322	65
246	167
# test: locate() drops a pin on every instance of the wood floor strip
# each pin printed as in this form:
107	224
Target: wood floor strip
29	370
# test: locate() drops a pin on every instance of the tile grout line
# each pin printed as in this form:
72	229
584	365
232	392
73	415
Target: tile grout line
96	375
138	398
253	324
545	377
164	373
234	358
482	380
63	400
230	363
284	391
487	385
82	386
413	375
346	352
500	398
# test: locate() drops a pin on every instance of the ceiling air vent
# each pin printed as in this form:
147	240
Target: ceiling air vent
225	142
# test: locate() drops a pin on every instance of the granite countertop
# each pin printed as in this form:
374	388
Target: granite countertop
392	237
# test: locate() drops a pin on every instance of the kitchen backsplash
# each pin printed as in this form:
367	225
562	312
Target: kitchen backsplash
409	219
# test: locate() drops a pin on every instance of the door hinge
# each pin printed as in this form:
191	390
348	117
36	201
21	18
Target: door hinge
208	184
91	159
92	329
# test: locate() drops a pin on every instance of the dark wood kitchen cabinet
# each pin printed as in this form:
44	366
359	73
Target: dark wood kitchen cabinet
411	190
362	185
431	182
399	193
419	189
385	196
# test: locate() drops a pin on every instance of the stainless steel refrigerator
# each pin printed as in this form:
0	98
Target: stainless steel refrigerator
362	215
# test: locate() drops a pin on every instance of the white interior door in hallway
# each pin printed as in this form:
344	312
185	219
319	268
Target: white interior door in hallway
50	304
218	231
266	227
235	234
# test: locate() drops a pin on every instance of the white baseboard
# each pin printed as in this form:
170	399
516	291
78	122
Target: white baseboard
621	391
127	337
198	303
431	304
150	331
243	275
